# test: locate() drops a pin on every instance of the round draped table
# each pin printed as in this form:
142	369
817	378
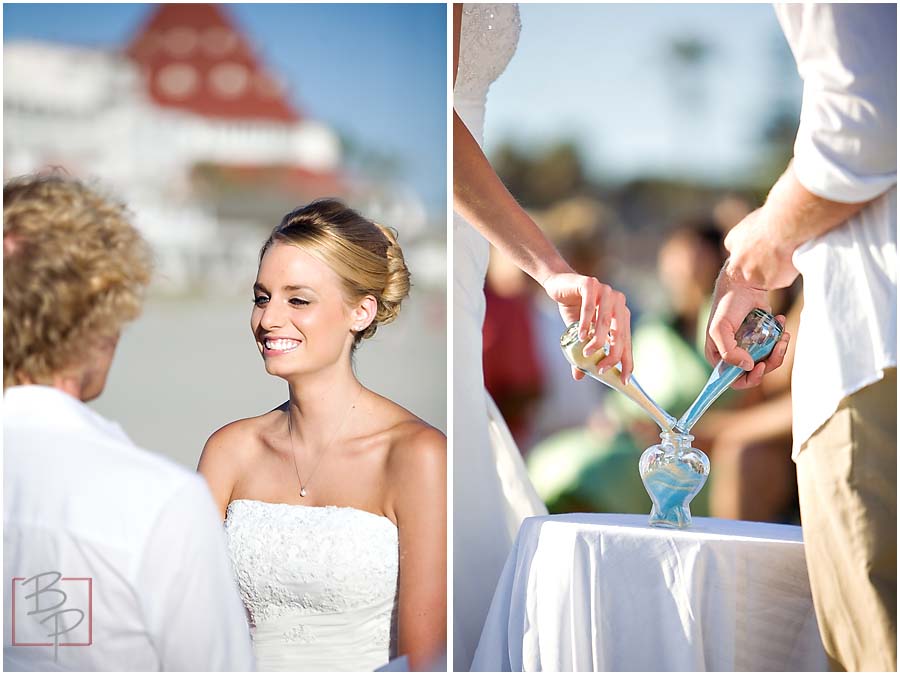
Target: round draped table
593	592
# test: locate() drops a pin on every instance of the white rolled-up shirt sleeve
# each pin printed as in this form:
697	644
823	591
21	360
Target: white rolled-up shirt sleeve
846	145
187	589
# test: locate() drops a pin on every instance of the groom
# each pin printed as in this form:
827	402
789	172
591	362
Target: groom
832	217
113	557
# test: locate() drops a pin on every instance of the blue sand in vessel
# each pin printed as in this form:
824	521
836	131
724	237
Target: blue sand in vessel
672	483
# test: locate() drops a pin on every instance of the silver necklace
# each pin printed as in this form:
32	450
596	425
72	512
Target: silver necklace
303	491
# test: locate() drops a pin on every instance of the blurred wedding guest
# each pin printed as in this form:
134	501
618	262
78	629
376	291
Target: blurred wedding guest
513	371
747	434
106	545
731	209
832	218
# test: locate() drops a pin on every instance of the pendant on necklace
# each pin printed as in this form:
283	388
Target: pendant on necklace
302	491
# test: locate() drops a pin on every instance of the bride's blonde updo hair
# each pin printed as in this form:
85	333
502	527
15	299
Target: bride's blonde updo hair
364	254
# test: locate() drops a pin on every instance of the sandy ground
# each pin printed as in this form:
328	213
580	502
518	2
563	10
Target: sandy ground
186	367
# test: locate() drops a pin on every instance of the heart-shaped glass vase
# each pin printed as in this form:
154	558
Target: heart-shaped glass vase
673	473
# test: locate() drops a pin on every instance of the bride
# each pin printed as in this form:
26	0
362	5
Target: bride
492	493
335	502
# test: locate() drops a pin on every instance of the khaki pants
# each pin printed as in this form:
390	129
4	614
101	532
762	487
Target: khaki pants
847	479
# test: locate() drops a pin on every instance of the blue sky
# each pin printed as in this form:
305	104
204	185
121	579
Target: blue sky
600	74
376	72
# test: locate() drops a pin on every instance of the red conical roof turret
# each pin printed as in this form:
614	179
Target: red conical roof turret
195	59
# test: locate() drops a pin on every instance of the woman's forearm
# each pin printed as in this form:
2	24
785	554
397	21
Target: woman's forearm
480	197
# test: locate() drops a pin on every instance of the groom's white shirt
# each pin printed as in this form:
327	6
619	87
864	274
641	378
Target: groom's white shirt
82	500
846	151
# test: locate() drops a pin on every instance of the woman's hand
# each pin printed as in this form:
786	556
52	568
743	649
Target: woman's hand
602	313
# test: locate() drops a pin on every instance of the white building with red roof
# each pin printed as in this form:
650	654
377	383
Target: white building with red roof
193	61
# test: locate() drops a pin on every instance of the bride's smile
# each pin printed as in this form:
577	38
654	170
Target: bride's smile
273	346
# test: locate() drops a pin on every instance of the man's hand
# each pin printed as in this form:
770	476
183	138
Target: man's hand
733	300
759	256
761	249
760	260
601	310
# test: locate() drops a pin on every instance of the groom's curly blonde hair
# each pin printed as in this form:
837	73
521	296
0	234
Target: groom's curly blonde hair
74	272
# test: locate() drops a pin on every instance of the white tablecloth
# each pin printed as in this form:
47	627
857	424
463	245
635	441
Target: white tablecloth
608	592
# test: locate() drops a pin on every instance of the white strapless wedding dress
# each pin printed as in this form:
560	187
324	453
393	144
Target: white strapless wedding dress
319	584
491	489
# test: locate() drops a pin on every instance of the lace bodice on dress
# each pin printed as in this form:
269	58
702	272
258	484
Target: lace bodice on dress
319	584
487	42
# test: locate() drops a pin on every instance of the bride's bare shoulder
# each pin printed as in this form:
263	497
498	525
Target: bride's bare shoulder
242	439
230	451
416	437
416	471
416	447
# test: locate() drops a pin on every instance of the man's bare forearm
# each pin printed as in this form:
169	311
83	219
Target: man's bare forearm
797	215
761	246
